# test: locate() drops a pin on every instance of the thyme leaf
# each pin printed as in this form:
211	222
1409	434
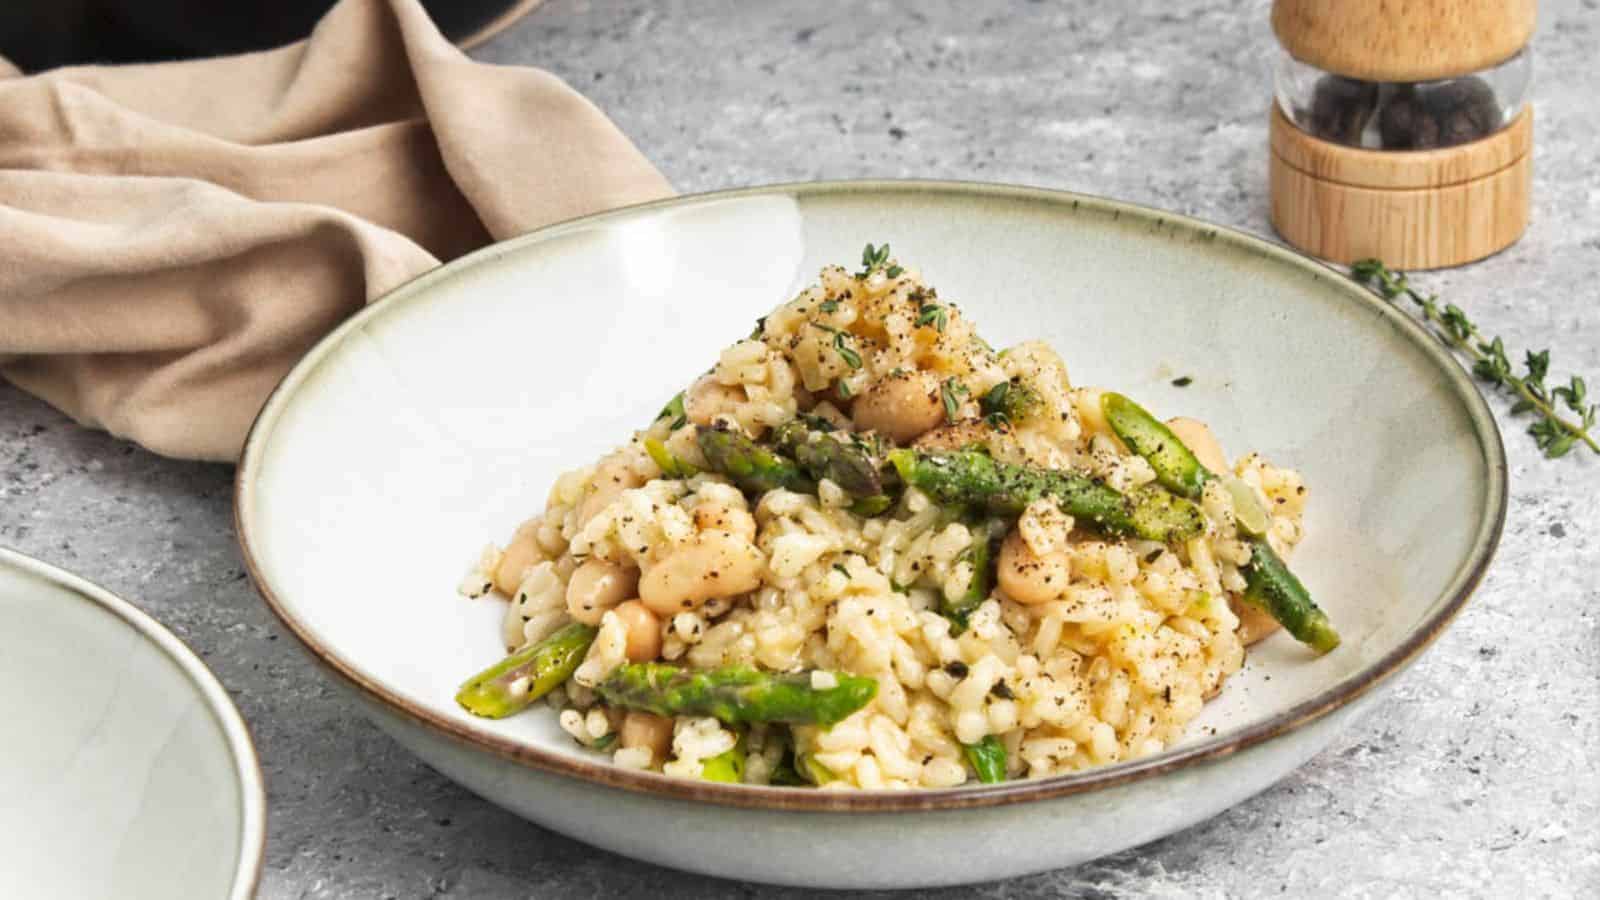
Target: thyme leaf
851	357
952	390
1553	432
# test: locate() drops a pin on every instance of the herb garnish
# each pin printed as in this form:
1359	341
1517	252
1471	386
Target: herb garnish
1183	381
993	406
932	314
872	258
952	390
995	399
828	306
851	357
892	271
1554	433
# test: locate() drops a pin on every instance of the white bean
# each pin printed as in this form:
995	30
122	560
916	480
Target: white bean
710	564
614	475
597	586
1029	578
519	555
713	516
708	398
1201	442
1255	623
647	731
644	631
901	407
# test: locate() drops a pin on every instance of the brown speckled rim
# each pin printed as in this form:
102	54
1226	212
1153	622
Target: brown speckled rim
498	24
246	767
1455	595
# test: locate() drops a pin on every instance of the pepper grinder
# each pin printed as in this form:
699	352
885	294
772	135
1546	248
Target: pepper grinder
1401	130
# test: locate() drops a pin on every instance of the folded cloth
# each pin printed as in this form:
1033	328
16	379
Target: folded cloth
174	236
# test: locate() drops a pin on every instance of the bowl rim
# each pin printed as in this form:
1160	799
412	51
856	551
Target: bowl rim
1458	590
246	765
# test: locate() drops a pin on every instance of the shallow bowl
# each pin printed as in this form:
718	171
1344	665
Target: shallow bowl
437	419
125	770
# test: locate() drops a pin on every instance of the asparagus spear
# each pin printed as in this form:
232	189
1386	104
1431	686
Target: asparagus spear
988	758
1268	582
973	478
786	775
511	684
798	768
754	468
875	505
671	466
1177	469
726	767
1271	586
980	555
674	413
811	771
849	464
735	694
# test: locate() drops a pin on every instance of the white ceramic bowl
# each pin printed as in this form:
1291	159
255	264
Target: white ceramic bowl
436	420
125	770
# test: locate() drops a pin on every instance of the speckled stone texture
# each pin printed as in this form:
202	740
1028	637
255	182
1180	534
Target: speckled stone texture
1477	775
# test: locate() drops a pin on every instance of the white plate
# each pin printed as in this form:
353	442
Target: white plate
125	771
437	419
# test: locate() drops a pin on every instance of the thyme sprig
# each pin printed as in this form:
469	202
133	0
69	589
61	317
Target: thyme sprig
951	391
1554	432
873	258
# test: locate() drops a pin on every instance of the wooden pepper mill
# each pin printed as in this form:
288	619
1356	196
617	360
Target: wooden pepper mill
1401	129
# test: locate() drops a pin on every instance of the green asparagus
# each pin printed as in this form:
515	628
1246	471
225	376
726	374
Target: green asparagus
754	468
674	413
1268	582
875	505
988	758
847	463
812	771
735	694
1177	468
981	555
671	466
1271	586
975	479
785	774
526	675
726	767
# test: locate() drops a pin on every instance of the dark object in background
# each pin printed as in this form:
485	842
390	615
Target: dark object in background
43	34
1441	115
1410	116
1340	108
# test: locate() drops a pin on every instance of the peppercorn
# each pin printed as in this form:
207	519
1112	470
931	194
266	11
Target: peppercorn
1409	116
1422	117
1340	108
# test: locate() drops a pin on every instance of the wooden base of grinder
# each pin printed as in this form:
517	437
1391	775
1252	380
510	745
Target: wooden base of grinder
1414	209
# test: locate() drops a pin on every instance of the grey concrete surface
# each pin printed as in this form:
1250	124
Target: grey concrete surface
1475	777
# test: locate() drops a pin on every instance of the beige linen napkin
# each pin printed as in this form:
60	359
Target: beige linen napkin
174	236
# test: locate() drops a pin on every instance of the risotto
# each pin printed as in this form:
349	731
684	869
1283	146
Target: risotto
868	550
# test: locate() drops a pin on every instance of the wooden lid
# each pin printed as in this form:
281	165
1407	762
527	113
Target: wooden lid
1403	40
